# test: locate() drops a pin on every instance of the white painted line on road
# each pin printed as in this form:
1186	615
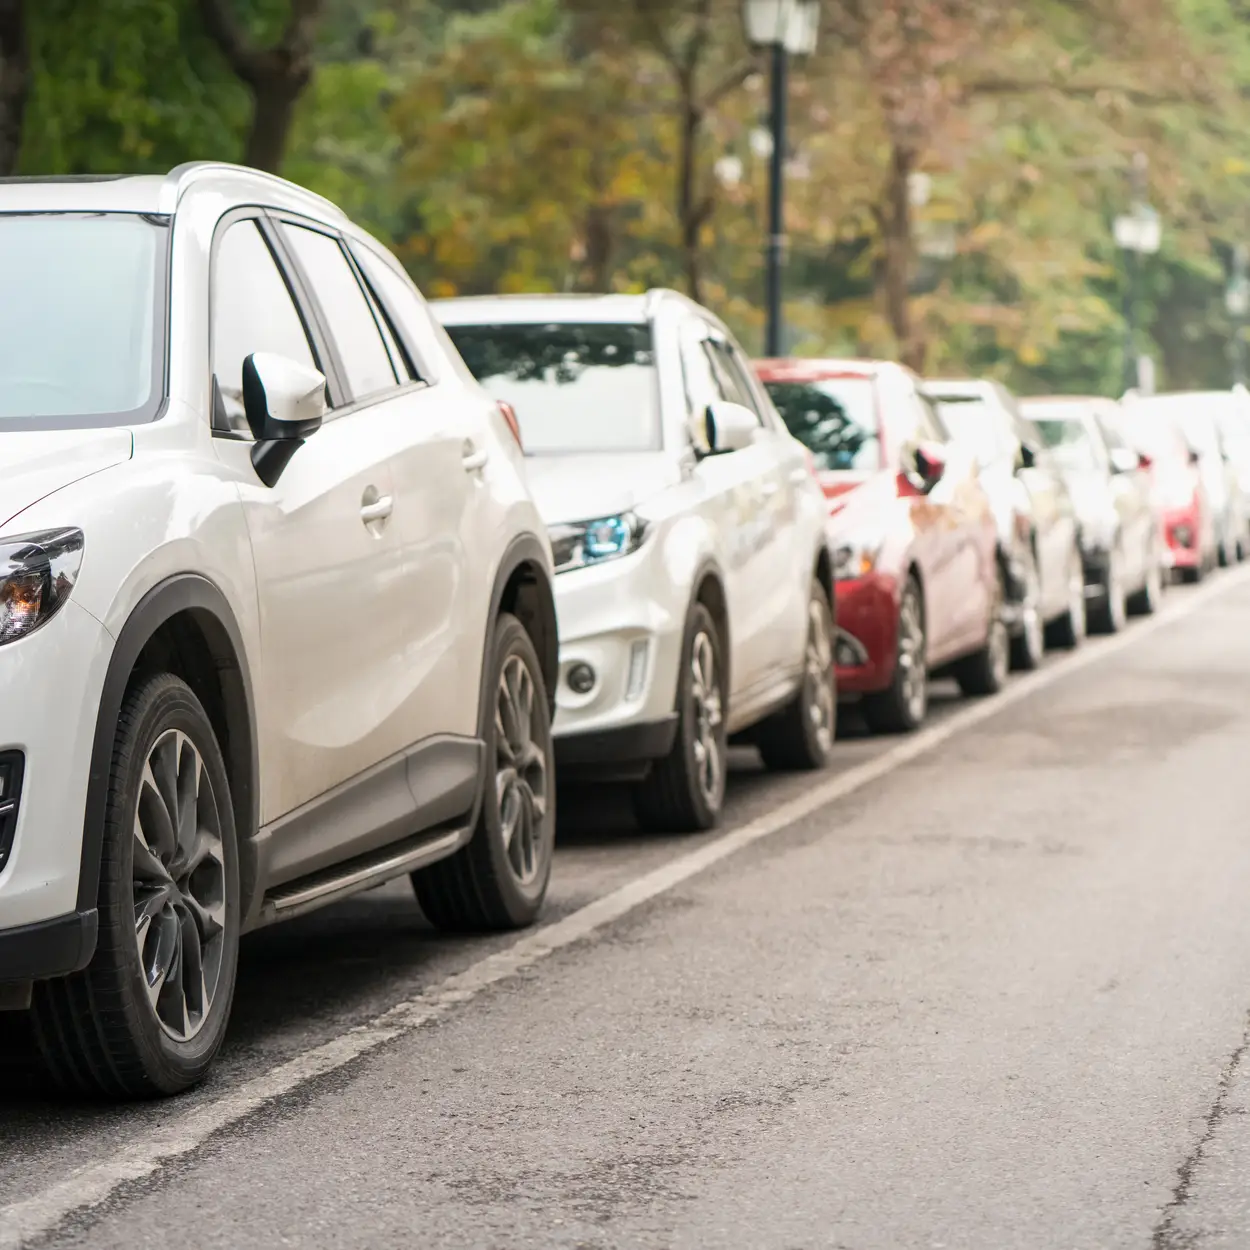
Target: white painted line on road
40	1214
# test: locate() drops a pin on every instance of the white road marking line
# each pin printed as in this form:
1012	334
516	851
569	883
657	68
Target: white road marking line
41	1213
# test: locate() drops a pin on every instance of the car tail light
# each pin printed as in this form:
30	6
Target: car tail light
508	413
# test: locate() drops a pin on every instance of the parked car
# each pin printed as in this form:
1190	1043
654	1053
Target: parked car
694	585
1038	552
1119	527
276	612
1195	414
919	590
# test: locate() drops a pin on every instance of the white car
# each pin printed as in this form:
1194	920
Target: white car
276	614
694	582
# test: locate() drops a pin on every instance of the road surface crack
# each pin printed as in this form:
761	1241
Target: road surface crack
1166	1235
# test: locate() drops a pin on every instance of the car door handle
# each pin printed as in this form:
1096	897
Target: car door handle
379	510
474	458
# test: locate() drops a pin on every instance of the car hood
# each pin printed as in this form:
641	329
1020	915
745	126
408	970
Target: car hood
584	488
36	463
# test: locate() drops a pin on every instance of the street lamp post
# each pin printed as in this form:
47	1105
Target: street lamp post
1237	301
784	28
1137	233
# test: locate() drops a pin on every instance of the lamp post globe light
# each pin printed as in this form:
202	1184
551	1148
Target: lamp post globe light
783	28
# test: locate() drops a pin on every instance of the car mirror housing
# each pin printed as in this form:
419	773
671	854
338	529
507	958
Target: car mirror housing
1028	457
730	427
284	402
1123	460
930	460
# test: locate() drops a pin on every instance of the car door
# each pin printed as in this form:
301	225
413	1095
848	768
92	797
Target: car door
1130	492
329	567
1054	518
785	556
733	503
436	470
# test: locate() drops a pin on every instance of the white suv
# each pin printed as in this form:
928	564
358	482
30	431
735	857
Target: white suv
276	618
693	583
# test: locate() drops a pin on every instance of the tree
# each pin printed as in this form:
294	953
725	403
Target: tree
14	81
276	74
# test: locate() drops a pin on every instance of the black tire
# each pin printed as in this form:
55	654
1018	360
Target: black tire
984	672
1029	645
1111	615
499	880
674	797
98	1031
1193	575
1068	630
1146	601
799	738
901	707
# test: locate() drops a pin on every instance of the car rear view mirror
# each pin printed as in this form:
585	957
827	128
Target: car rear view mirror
285	402
1123	460
930	464
730	427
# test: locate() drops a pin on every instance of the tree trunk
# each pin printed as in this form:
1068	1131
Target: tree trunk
689	213
14	82
896	275
598	247
272	113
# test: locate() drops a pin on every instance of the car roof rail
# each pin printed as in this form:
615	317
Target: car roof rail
183	176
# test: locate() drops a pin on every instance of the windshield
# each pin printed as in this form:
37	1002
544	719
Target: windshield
971	420
1070	442
575	388
1191	414
835	419
80	327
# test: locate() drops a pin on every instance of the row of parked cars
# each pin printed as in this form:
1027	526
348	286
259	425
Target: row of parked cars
307	584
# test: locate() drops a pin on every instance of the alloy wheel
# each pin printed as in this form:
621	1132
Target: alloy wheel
521	781
818	668
705	697
1076	600
179	886
914	685
1034	631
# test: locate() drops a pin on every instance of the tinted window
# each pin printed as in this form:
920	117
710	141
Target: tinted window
343	304
252	312
574	387
835	419
79	336
982	425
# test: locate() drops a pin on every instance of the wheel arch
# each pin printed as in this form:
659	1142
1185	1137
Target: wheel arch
523	587
823	573
184	625
709	590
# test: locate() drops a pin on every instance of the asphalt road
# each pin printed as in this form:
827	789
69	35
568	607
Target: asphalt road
983	987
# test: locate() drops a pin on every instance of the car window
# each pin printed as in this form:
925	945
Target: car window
834	418
399	357
736	384
362	352
1070	441
978	423
930	424
252	312
422	337
574	387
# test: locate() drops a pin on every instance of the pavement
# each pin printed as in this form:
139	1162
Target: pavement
984	987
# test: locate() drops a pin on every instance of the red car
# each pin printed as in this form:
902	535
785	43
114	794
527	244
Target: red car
917	582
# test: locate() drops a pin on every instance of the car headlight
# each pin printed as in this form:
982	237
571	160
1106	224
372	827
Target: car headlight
855	555
581	543
37	573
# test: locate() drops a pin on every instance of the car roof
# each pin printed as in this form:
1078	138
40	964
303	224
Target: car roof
159	194
819	369
548	309
1068	407
960	386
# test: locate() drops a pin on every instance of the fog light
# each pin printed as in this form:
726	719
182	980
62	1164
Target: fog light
581	679
637	670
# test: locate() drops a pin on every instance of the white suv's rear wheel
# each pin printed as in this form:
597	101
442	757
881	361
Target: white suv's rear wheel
499	881
149	1012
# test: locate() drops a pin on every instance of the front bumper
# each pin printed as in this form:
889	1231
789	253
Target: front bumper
866	646
50	685
624	620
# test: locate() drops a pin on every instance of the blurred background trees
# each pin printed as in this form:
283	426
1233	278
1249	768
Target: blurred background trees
954	166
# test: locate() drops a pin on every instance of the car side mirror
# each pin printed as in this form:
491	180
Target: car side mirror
284	402
730	427
1028	457
1194	458
1123	460
930	462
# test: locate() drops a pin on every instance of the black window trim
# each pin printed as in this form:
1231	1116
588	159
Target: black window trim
344	403
421	367
158	401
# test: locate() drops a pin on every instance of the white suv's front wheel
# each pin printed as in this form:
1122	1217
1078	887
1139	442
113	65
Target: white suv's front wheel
149	1012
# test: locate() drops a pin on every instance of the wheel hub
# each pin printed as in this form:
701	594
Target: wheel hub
521	782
